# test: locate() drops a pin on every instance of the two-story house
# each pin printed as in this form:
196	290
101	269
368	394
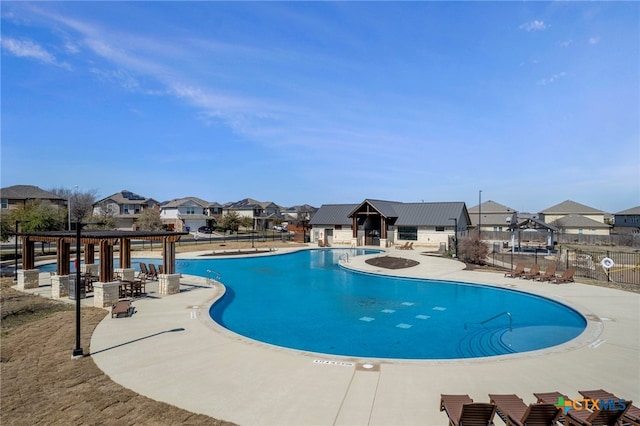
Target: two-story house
575	218
263	214
124	207
627	221
186	214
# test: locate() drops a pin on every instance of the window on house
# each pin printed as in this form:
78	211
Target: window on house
5	203
408	233
125	209
338	227
580	231
191	210
497	228
439	228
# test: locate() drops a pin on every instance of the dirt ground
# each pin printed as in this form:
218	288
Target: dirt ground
42	384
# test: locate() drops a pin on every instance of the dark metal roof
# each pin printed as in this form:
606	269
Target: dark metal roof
406	214
333	214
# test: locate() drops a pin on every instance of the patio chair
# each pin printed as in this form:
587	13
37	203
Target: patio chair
533	272
123	308
320	243
410	246
566	277
403	246
631	416
513	411
554	398
548	274
161	269
153	272
519	270
607	417
462	411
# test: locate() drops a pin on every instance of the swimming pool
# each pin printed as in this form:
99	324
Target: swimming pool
306	301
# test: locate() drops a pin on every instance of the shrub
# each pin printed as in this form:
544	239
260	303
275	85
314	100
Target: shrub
473	250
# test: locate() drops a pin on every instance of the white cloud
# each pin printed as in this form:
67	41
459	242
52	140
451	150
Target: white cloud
594	40
566	43
534	26
30	49
552	79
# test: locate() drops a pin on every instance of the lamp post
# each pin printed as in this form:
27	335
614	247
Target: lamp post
455	232
69	207
480	214
15	268
78	352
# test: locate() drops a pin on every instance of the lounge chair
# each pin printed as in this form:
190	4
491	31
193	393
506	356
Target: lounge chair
161	269
403	246
566	277
607	417
548	275
462	411
410	246
533	272
144	272
519	270
631	416
513	411
554	398
320	243
153	272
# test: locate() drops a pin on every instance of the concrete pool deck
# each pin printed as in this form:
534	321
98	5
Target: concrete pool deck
171	351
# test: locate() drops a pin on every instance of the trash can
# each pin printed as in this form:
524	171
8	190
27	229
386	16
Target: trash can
72	288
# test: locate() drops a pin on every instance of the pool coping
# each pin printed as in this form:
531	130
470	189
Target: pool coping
300	387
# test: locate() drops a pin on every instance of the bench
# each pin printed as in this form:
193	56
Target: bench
121	308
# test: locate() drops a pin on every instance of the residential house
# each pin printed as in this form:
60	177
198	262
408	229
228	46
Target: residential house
575	218
17	196
263	214
124	207
627	221
186	214
382	223
491	216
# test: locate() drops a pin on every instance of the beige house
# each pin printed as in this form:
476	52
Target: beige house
575	218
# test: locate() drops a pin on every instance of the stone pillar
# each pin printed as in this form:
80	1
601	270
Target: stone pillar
168	284
106	294
29	278
60	286
383	242
127	274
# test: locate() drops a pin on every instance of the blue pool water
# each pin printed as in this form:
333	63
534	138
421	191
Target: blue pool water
305	301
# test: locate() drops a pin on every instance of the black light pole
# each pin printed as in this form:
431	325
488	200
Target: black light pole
78	352
455	232
15	272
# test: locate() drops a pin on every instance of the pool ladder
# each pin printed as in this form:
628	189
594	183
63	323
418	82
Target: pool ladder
344	257
492	318
212	277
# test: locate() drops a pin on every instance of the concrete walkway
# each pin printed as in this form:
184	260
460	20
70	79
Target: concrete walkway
171	351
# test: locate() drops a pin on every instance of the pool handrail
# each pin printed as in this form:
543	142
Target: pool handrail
507	313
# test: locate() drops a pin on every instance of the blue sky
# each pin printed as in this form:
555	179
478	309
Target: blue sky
533	103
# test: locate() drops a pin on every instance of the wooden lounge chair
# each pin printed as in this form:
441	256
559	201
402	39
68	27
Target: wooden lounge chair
410	246
144	272
631	416
566	277
519	270
554	398
403	246
123	308
549	273
161	269
606	417
533	272
153	272
320	243
513	411
462	411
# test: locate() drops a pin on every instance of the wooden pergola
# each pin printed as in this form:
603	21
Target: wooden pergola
106	240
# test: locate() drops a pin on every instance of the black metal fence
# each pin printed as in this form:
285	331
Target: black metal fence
587	263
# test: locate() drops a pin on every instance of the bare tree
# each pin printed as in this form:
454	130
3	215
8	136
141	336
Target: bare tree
81	201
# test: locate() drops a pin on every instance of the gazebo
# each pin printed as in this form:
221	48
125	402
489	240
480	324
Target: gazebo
105	239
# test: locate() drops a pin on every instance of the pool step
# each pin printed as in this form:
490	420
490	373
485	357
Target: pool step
484	341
